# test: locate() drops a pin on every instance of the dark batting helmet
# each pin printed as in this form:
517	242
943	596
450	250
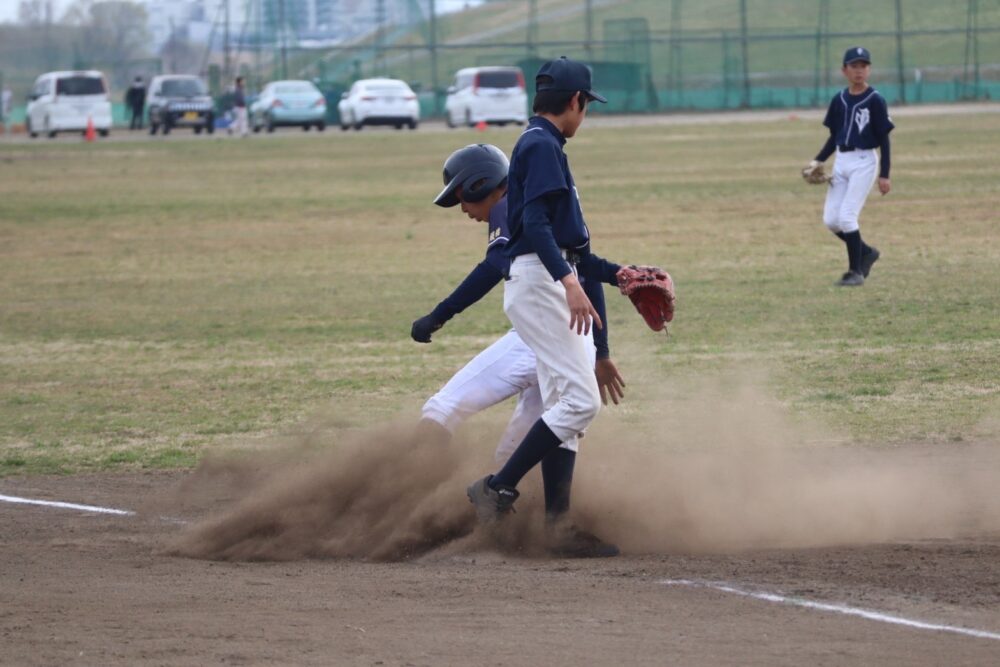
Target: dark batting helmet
478	169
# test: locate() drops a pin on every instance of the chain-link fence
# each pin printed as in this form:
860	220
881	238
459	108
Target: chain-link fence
658	55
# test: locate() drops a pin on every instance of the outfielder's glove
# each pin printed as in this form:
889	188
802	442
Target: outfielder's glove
423	328
814	174
651	291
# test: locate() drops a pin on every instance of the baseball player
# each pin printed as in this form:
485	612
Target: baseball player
476	178
549	249
858	119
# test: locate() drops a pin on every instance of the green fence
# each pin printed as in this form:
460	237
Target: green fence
661	55
664	55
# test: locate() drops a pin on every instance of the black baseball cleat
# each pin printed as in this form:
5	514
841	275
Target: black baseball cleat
868	260
491	504
851	279
571	542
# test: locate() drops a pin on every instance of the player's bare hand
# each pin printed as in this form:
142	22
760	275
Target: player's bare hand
581	311
884	185
609	381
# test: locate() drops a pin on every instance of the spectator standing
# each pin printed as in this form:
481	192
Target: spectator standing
239	123
135	98
5	98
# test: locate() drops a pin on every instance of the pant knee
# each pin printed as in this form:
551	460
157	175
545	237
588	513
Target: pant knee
587	405
438	411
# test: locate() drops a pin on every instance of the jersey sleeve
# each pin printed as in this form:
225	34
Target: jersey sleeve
828	148
595	292
598	269
882	125
476	285
833	114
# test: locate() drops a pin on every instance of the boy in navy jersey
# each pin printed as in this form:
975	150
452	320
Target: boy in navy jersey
549	250
475	179
858	119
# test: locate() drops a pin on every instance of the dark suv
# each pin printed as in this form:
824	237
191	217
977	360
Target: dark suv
179	100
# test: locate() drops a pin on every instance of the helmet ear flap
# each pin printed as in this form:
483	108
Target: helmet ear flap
478	169
476	189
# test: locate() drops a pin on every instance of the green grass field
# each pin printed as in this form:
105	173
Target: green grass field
159	300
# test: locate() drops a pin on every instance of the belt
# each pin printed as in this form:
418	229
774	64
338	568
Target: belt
571	256
846	149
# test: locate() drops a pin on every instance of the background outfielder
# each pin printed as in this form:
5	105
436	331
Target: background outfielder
858	119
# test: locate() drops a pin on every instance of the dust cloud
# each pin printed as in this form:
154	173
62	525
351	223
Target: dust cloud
729	470
723	469
388	494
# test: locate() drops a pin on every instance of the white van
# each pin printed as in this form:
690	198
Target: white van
64	101
493	95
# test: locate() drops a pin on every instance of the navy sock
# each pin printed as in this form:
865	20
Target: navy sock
865	248
854	245
539	442
557	476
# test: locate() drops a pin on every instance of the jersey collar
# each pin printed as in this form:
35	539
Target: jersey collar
545	124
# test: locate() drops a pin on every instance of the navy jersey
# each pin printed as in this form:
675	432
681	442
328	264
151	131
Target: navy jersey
485	276
858	121
497	237
544	211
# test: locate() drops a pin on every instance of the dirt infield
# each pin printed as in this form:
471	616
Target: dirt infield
87	588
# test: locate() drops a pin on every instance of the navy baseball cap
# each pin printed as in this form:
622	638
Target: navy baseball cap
566	76
857	53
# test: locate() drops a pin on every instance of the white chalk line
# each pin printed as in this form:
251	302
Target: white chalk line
76	506
869	614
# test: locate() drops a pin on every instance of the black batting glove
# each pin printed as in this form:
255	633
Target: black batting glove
423	328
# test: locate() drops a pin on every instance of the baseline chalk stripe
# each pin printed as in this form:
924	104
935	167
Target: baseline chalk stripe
835	608
68	506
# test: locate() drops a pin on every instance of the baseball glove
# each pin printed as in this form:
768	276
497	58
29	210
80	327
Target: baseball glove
814	174
651	291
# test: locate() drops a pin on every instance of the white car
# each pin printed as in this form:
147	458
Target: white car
494	95
379	102
66	101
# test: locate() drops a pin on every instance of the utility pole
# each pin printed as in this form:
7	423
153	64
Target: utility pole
745	53
675	68
281	37
380	36
434	55
822	54
225	42
899	52
589	17
971	45
258	5
532	26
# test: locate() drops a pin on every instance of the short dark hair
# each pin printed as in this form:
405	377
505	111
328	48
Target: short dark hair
554	102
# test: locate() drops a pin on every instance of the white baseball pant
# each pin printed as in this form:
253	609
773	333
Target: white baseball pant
536	306
854	174
505	368
240	125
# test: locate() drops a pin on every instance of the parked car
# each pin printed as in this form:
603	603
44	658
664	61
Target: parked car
379	102
493	95
179	100
65	101
288	103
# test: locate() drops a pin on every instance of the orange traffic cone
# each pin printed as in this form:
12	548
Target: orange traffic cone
90	134
481	126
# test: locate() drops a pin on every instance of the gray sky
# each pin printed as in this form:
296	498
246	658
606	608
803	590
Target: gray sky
8	8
